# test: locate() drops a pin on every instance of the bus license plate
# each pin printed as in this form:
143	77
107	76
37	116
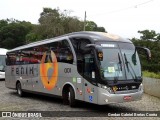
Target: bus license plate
127	98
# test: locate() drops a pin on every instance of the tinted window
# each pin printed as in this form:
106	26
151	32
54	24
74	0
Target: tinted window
34	55
11	58
62	51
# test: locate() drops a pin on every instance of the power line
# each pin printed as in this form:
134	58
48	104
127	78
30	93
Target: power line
145	2
119	10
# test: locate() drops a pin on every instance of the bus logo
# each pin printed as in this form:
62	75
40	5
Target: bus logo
49	82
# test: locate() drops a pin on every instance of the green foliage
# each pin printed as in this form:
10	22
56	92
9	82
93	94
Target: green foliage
92	26
54	23
32	37
13	33
151	74
149	39
146	34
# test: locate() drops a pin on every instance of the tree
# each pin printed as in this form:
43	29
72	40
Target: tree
151	40
148	35
50	23
13	33
54	23
92	26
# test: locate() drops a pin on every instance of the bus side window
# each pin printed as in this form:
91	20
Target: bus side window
65	53
25	56
11	58
36	54
62	51
18	58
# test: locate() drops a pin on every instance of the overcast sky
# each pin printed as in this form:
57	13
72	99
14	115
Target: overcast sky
121	17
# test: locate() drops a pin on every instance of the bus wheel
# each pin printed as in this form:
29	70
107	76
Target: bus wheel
19	89
65	96
71	97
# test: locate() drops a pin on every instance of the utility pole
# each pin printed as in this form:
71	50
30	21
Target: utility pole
84	21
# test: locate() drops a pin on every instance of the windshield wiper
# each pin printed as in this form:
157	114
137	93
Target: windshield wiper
128	63
120	62
117	75
119	68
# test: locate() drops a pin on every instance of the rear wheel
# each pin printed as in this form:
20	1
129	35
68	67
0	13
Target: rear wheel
19	89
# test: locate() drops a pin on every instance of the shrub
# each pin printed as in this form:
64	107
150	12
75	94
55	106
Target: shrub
151	74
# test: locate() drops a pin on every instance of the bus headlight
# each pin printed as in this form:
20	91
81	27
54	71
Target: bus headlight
141	87
105	87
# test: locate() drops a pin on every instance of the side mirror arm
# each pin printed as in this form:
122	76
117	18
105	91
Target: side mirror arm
146	50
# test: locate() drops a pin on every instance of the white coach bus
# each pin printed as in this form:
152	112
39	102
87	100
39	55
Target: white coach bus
2	62
94	67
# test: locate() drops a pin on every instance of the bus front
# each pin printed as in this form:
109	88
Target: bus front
119	69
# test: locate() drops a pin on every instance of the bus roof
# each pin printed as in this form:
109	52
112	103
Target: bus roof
100	36
3	51
96	36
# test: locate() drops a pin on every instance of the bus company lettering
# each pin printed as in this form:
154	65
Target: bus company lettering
21	70
49	83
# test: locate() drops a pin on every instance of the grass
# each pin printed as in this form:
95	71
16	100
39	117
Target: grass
151	74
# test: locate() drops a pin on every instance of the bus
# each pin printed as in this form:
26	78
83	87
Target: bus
2	62
94	67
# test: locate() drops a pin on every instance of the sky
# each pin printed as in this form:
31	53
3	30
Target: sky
120	17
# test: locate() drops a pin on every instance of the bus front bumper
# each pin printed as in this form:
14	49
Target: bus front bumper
106	98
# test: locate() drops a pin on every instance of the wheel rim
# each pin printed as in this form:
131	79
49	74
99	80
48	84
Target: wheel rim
69	97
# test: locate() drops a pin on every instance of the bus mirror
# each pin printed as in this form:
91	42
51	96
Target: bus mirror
148	53
146	50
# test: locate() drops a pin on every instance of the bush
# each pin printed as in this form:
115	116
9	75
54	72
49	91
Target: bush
151	74
151	67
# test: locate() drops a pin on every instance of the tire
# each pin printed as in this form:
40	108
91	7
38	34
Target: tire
71	97
19	90
65	97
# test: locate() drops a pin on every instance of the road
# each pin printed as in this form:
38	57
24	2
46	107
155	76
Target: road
10	101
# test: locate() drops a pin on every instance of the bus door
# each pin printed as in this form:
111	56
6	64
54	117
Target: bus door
90	74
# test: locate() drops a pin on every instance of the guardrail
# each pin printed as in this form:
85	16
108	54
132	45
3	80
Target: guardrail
151	86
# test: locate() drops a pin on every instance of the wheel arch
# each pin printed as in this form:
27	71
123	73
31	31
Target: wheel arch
18	81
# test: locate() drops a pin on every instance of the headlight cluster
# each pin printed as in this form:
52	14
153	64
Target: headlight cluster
105	87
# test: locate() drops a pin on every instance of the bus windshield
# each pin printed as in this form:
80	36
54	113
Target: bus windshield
111	66
2	63
131	61
118	61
